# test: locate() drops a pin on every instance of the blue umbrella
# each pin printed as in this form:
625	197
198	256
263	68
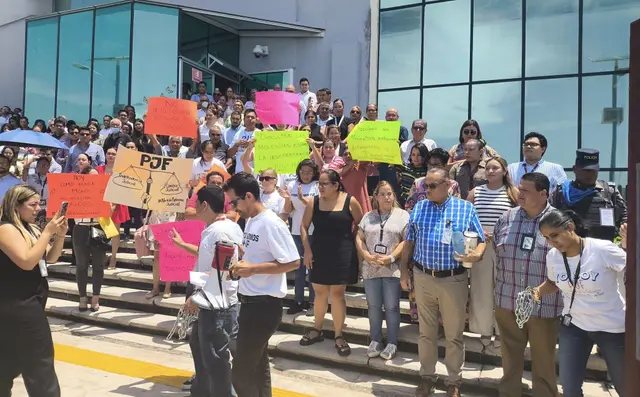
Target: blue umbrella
28	138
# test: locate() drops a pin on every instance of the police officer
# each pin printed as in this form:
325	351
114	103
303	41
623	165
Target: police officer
598	202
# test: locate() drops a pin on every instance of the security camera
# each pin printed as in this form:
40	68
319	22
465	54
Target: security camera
257	51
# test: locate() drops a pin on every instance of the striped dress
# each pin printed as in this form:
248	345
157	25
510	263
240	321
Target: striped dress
491	204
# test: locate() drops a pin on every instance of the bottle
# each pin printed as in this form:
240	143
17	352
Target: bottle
470	244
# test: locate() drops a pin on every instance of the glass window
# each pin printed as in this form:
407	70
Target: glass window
406	102
551	108
445	109
224	45
620	178
74	66
399	57
446	42
600	123
154	67
194	34
552	37
497	39
396	3
65	5
606	32
111	60
496	107
40	74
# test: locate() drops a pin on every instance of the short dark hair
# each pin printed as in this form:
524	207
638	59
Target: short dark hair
250	111
71	124
213	173
123	111
326	91
234	113
541	138
243	183
334	177
303	80
106	116
60	120
308	163
540	181
203	82
84	128
214	196
440	154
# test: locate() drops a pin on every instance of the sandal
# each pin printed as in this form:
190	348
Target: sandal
343	349
83	304
307	340
152	294
95	304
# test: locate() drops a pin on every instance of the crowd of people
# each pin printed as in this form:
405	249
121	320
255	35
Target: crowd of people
335	221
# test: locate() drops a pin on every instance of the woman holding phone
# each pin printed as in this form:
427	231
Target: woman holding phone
26	345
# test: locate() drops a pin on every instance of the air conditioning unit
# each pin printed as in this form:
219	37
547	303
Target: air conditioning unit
612	115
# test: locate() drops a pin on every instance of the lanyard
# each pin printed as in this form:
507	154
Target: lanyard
43	185
535	167
383	223
339	122
574	284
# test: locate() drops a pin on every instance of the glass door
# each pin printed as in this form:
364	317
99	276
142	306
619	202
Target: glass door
192	73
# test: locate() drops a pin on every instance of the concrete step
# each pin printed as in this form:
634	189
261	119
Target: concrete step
356	328
476	376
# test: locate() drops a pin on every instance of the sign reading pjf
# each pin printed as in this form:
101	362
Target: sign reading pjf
375	141
82	192
149	182
172	117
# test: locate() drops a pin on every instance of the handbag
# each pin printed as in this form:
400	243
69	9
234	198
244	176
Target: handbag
141	239
98	239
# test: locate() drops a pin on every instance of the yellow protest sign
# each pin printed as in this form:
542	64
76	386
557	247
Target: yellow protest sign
375	141
280	150
149	181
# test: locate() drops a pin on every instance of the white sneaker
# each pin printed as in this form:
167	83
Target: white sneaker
374	349
389	352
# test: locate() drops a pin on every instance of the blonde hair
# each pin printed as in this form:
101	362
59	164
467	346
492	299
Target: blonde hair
374	202
272	170
15	197
512	192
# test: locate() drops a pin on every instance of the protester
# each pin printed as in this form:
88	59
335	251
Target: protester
38	181
437	158
534	147
418	136
470	172
269	252
470	130
413	169
25	339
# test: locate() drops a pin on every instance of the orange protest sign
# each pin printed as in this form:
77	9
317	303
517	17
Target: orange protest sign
171	116
82	192
203	180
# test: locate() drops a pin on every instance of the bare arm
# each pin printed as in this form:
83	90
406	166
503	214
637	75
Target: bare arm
189	248
471	196
190	214
304	227
361	246
356	213
15	246
548	287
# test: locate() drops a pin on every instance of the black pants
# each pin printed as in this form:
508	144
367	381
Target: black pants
26	348
259	319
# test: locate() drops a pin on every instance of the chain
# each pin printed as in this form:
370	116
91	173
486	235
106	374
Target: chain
524	306
183	324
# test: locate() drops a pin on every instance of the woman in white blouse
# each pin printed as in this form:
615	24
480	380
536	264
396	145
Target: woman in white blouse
594	311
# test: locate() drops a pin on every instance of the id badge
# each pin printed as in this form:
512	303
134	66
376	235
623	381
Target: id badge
43	203
527	242
380	249
43	268
446	236
606	217
566	320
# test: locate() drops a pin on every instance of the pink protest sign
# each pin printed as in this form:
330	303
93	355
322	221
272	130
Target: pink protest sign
278	107
176	263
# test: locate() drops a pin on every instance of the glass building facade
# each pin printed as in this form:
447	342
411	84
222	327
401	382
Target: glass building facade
559	67
94	62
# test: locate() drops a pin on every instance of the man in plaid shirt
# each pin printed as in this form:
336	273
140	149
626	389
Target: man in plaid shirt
521	253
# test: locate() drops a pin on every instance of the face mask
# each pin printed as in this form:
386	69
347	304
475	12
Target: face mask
115	130
205	105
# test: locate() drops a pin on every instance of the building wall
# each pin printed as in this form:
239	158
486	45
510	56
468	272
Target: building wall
12	29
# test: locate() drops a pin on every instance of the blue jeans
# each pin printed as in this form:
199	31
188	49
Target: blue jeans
301	273
385	292
213	337
575	349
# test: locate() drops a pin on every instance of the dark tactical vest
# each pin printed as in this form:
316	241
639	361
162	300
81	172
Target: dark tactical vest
589	210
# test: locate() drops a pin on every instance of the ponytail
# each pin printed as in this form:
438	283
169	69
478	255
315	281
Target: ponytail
562	219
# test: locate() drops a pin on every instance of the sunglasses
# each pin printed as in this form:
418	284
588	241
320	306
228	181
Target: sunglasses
355	111
266	178
84	134
469	132
418	128
434	186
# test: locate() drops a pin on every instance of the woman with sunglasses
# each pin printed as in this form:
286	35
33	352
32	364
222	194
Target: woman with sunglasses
356	117
331	257
269	195
470	130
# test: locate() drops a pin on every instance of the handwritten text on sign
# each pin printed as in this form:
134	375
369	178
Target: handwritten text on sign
148	181
375	141
280	150
82	192
175	263
171	116
278	107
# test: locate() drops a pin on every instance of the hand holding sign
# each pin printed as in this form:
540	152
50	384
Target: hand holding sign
375	141
277	107
171	116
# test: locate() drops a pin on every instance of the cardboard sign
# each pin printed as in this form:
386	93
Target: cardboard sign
171	117
375	141
176	263
280	150
196	75
83	193
278	107
149	181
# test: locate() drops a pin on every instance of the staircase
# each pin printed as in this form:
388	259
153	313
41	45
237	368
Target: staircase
123	305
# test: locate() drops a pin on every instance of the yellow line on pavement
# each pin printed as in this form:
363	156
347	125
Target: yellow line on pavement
154	373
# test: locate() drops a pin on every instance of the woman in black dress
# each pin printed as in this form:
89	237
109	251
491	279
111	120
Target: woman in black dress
332	257
26	346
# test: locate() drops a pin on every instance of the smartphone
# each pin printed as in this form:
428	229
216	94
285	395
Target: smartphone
63	209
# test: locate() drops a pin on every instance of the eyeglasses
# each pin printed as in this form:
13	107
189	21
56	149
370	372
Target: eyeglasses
84	134
434	186
215	134
469	132
530	144
355	111
418	128
266	178
325	184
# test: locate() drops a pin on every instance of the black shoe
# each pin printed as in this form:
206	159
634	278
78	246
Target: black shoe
295	308
310	312
186	386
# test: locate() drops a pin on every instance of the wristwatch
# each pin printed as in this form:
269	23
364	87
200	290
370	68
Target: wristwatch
393	260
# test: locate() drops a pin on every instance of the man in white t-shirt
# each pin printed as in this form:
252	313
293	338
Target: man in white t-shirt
241	140
175	148
269	253
213	334
418	132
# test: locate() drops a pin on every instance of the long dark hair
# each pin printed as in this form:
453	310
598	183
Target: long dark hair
466	124
334	177
308	163
424	152
558	219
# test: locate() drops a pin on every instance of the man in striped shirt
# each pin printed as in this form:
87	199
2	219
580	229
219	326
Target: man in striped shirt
521	253
534	147
440	280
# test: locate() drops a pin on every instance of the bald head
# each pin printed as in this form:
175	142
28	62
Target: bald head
291	88
391	115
